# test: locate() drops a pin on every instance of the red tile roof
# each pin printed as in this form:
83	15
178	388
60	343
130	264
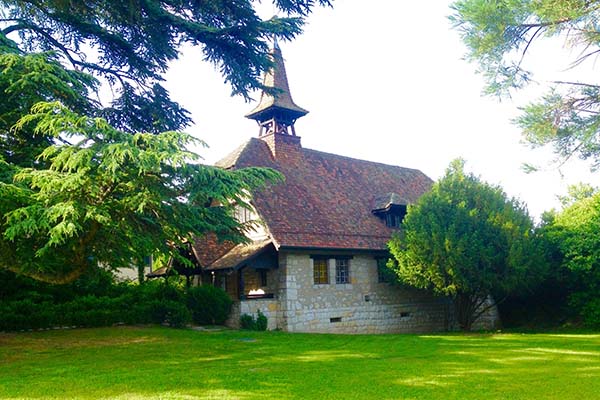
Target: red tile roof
326	199
208	249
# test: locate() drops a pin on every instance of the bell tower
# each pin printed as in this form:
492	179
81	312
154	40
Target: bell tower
276	112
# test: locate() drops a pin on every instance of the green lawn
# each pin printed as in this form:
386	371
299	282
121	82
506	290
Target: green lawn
162	363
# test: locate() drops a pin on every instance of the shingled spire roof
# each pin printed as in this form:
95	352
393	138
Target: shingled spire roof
277	106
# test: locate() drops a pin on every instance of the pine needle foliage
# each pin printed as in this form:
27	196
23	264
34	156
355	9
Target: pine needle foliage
501	34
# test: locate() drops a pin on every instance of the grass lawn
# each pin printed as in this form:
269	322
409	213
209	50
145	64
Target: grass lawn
162	363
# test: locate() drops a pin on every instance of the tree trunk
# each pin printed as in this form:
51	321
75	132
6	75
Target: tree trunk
140	270
464	306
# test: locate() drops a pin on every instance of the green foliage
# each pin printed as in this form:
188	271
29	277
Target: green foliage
134	42
247	322
170	312
43	306
209	305
84	185
261	321
26	79
251	323
574	234
499	34
467	240
112	198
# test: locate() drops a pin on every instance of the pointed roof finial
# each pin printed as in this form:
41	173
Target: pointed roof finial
279	105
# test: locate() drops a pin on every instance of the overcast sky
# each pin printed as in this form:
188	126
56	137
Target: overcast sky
385	81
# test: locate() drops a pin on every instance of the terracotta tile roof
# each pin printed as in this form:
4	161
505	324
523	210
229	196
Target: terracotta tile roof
240	254
208	248
327	200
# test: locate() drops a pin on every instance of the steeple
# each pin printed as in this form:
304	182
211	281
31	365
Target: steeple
276	113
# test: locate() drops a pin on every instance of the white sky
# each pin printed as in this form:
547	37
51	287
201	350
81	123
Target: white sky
384	81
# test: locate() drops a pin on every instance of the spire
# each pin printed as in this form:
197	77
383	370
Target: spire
277	112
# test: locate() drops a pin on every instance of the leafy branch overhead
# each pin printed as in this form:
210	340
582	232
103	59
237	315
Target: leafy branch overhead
501	34
85	185
112	198
130	43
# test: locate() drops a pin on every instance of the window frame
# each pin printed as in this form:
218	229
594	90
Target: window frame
262	277
320	270
342	271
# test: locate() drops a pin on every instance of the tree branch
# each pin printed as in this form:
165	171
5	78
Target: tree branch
483	310
531	39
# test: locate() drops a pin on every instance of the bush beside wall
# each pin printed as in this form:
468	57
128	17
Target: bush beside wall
209	305
152	302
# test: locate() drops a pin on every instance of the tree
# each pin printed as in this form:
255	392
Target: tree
499	34
112	198
130	43
83	185
574	233
465	239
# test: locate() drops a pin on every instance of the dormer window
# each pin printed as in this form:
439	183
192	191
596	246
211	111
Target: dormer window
390	208
243	214
394	216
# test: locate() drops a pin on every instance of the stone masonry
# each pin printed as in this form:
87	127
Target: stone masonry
364	305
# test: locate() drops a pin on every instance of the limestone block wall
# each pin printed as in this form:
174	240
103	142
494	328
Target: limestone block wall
269	307
362	306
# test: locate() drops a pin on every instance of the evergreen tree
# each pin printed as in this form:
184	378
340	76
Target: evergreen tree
466	240
84	186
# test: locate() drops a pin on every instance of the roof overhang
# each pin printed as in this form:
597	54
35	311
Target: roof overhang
241	255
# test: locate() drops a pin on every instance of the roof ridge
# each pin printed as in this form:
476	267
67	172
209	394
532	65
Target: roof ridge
361	160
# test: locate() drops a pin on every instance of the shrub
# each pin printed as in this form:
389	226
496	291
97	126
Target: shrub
247	322
209	305
153	302
588	306
259	323
25	314
169	312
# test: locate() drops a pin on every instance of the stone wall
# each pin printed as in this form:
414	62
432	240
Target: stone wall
269	307
364	305
252	280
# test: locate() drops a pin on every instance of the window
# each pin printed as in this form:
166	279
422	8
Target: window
393	220
384	274
342	271
263	277
393	215
321	275
243	214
